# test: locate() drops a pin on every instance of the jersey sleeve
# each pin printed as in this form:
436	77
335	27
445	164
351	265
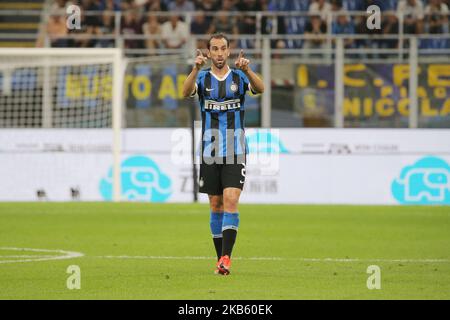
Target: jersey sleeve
198	85
246	82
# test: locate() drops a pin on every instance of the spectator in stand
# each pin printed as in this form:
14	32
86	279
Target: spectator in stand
289	25
112	5
387	5
227	5
200	26
413	13
247	24
210	7
384	5
139	4
152	28
278	5
357	20
223	23
390	27
266	27
126	5
314	28
336	5
436	22
155	5
130	26
289	5
85	40
181	5
352	5
321	8
342	22
344	25
56	31
106	28
436	17
279	44
207	5
174	33
59	6
93	17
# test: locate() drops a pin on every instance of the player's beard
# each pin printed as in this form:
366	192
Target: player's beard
219	64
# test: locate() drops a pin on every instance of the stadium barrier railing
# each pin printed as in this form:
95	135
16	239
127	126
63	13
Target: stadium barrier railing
266	24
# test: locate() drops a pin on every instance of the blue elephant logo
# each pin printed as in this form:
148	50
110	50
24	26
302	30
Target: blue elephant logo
425	182
141	180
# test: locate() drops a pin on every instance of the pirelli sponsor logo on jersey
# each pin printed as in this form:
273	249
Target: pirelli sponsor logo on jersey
222	106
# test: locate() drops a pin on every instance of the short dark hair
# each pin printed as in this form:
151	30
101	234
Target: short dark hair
218	36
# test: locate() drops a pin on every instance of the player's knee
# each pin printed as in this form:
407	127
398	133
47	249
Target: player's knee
231	204
231	199
216	203
217	208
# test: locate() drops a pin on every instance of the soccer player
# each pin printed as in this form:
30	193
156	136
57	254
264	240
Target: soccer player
221	92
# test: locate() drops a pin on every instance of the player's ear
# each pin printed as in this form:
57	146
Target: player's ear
208	54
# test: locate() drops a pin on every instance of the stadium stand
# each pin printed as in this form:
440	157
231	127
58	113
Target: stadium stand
19	24
138	24
299	32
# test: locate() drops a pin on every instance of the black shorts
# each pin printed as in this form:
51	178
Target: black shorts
216	177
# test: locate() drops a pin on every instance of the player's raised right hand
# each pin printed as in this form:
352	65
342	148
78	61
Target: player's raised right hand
200	60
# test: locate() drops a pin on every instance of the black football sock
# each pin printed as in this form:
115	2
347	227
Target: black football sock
229	238
218	246
229	232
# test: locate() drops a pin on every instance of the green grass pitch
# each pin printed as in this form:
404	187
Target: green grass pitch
135	251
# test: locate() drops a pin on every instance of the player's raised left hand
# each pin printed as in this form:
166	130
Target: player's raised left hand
241	62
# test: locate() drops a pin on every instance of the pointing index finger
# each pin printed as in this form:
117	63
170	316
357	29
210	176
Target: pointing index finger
200	53
241	54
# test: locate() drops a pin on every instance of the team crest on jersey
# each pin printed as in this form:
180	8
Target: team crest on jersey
234	87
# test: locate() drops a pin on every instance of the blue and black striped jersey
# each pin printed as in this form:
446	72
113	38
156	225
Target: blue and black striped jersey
222	103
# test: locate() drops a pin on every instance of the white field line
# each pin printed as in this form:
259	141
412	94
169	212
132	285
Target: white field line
26	256
279	259
63	255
